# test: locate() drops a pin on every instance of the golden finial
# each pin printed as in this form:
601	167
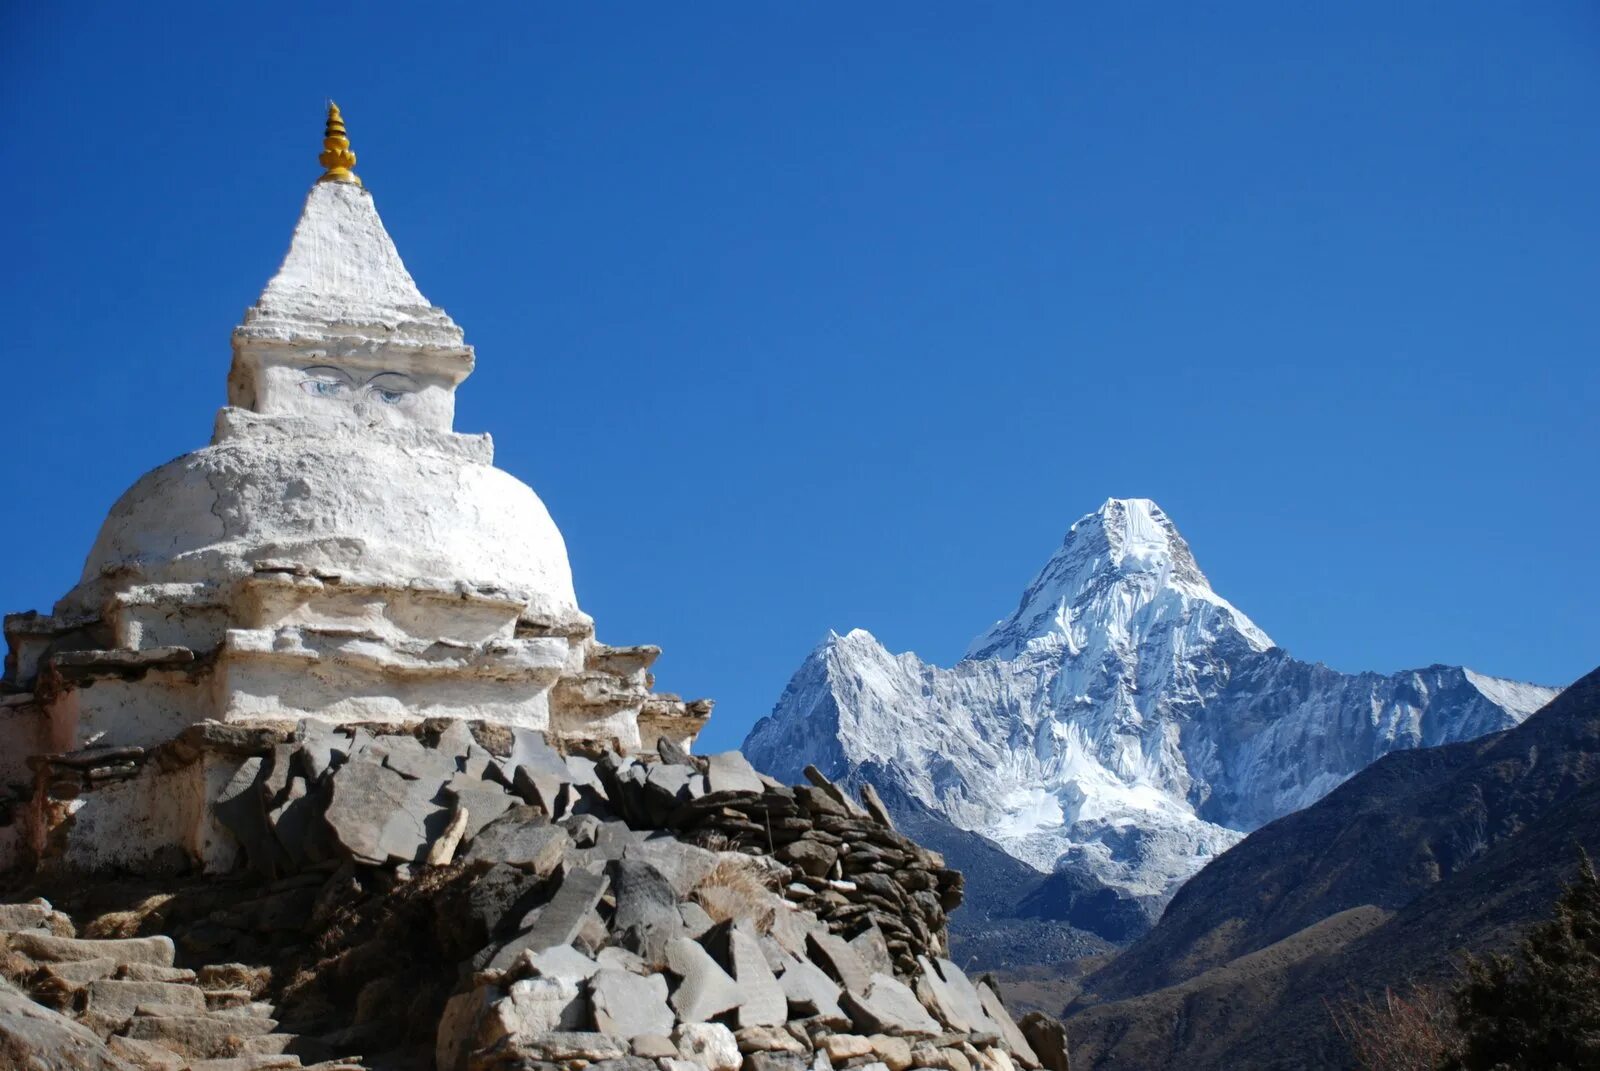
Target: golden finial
336	155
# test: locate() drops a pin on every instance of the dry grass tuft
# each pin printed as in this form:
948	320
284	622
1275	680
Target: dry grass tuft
736	890
1399	1033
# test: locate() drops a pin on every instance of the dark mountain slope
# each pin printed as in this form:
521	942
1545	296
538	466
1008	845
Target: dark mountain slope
1501	823
1409	821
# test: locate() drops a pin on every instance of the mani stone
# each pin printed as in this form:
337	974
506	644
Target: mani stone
729	771
811	992
537	772
564	962
873	949
647	919
523	838
888	1006
833	954
706	989
484	801
762	1002
375	813
559	921
953	997
627	1005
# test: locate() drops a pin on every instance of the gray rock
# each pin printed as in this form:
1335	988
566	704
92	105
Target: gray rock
810	992
296	822
556	923
654	1047
889	1007
241	808
875	805
774	1061
706	989
564	962
485	801
364	798
1009	1031
873	950
419	821
682	864
763	1002
459	1025
695	920
666	786
536	1006
647	919
810	857
672	752
584	829
729	771
318	744
953	997
537	770
581	771
407	757
627	1005
523	838
563	1045
455	742
621	959
33	1036
835	793
1048	1038
833	954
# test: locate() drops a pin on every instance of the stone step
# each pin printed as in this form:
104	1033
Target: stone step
110	997
148	972
200	1037
146	1055
157	951
35	917
81	972
254	1062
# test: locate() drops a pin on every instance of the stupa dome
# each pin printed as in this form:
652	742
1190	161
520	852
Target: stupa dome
389	509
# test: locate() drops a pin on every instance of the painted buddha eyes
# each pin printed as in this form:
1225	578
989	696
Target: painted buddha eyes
384	388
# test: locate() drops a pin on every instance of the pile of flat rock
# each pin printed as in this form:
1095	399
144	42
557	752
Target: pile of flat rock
123	1004
654	913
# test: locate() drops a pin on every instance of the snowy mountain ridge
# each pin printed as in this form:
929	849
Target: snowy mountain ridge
1125	721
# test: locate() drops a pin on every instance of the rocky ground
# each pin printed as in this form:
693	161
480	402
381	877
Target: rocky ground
473	900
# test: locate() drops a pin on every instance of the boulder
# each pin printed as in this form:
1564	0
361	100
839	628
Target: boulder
712	1044
1048	1039
628	1005
535	1006
460	1025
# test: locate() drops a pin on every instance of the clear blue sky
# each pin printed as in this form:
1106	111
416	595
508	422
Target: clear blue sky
811	316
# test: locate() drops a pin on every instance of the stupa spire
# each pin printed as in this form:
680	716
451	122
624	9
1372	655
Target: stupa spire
336	154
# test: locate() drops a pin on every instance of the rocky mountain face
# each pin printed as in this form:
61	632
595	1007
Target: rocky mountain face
1382	884
1122	727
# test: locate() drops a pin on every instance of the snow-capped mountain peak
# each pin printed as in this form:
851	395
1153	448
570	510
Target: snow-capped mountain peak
1125	721
1119	572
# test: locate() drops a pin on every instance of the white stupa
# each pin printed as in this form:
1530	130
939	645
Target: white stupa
338	551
